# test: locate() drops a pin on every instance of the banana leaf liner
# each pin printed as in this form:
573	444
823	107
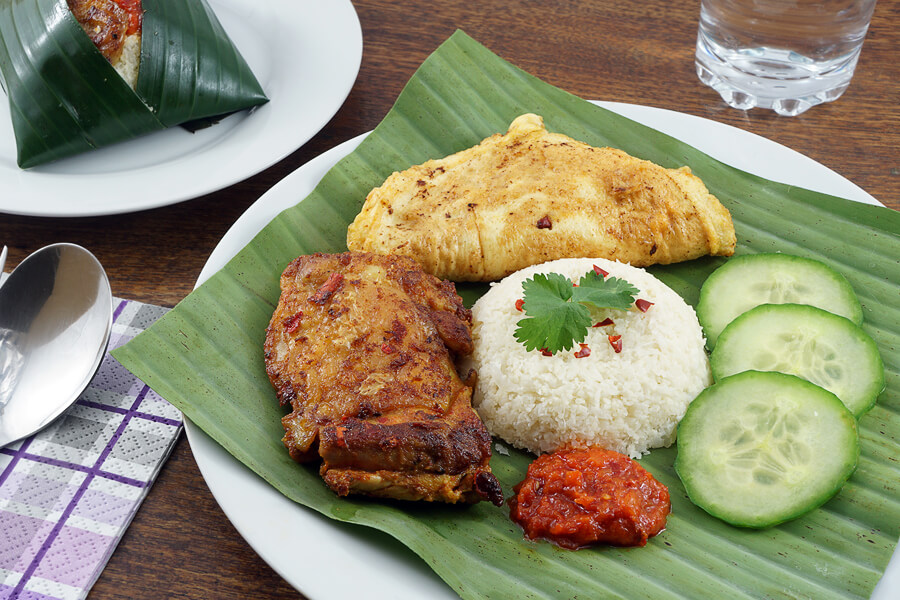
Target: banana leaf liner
65	98
205	356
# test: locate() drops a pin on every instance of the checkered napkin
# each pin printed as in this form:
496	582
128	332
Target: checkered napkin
68	492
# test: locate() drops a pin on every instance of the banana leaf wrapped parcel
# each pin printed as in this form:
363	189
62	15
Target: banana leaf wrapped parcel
83	74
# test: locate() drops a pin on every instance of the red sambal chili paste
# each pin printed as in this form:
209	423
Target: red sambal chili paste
135	14
578	497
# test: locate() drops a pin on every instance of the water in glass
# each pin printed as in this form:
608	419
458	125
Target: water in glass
786	55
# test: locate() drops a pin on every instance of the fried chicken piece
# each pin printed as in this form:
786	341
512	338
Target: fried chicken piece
361	346
530	196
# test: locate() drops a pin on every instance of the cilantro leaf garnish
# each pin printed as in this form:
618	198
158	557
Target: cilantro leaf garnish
552	322
557	313
610	292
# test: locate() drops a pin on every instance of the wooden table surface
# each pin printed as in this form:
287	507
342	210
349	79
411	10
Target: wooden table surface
180	544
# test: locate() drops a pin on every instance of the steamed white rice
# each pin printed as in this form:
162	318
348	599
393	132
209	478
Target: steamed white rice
129	62
629	402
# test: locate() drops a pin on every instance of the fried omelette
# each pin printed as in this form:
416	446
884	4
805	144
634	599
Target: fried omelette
361	346
529	196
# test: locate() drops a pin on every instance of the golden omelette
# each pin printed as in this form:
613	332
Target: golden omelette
529	196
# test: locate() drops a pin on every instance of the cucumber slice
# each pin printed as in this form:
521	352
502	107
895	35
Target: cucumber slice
757	449
750	280
828	350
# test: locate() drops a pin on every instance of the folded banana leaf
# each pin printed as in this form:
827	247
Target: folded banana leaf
205	356
65	98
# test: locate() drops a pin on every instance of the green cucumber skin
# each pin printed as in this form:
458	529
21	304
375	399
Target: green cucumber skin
726	292
856	354
708	486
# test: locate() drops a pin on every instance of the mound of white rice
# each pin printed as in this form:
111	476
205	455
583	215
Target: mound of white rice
628	402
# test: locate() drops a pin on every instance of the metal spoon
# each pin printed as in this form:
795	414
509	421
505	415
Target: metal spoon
55	321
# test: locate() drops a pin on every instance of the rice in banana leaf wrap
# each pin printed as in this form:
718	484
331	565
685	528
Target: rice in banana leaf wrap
66	98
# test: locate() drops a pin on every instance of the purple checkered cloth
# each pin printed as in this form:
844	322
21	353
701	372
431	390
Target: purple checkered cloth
68	492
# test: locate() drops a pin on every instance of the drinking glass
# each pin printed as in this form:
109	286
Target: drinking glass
785	55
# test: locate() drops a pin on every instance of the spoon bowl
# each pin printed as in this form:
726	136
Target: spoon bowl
55	322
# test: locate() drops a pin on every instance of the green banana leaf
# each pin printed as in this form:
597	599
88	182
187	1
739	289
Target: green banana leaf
205	356
65	98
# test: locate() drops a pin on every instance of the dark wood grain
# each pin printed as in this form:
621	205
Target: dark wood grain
180	544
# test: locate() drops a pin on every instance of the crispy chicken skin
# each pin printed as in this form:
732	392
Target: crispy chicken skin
530	196
361	346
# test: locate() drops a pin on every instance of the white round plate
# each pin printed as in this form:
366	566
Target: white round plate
305	54
314	553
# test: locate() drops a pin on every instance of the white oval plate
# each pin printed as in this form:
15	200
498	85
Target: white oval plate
306	55
313	553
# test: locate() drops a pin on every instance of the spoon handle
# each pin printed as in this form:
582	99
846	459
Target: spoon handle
2	259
